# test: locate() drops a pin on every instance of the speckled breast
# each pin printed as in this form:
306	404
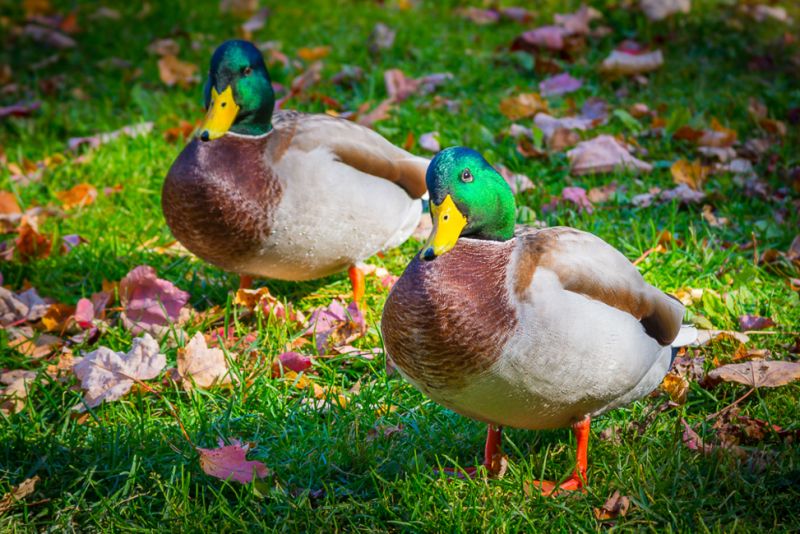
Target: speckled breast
448	319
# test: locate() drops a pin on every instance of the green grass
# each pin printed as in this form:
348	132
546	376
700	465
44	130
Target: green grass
128	467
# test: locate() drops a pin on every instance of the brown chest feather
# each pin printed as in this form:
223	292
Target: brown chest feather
219	196
449	318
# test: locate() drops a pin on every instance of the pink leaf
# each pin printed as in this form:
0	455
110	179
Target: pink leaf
577	196
430	142
84	313
230	463
336	325
551	37
560	84
293	361
754	322
149	301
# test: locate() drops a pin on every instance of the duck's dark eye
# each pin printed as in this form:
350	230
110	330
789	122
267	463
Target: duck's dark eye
247	71
466	176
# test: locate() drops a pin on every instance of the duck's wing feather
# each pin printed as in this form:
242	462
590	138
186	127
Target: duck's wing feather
354	145
586	264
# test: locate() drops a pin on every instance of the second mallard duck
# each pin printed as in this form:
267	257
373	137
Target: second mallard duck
544	329
286	195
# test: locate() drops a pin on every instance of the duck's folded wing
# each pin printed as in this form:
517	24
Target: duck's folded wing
587	265
362	149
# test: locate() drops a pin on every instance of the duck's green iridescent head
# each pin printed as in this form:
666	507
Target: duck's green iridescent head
468	198
238	94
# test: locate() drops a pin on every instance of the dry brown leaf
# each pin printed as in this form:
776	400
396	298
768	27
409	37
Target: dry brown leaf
718	136
17	493
201	366
711	219
523	105
30	244
14	395
757	374
78	196
627	64
616	505
174	71
603	154
693	173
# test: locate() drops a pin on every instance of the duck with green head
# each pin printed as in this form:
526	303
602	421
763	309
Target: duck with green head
284	194
525	328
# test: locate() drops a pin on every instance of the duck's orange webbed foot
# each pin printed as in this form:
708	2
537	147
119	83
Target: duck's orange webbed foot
578	479
491	451
359	284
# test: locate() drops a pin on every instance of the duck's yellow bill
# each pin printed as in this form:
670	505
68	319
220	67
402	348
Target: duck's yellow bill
221	114
448	222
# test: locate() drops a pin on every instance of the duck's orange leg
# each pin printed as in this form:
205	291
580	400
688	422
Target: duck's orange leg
578	479
358	282
245	281
494	436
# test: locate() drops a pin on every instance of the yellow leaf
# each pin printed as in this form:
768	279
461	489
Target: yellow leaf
522	105
79	196
693	173
676	386
315	53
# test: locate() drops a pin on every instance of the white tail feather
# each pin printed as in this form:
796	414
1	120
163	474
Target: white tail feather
686	336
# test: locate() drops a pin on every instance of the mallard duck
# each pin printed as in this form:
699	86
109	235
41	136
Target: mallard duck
284	194
536	329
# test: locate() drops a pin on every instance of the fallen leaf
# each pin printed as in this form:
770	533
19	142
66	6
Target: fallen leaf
8	204
693	174
399	86
230	462
598	195
661	9
256	22
173	71
756	374
560	84
95	141
717	136
30	244
25	306
293	361
58	317
517	182
522	105
270	306
336	325
754	322
48	36
430	142
78	196
164	47
149	302
314	54
577	23
705	337
19	110
712	219
683	194
381	38
676	386
17	493
15	394
550	125
201	366
577	196
627	64
603	154
550	37
562	139
615	506
107	375
692	439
